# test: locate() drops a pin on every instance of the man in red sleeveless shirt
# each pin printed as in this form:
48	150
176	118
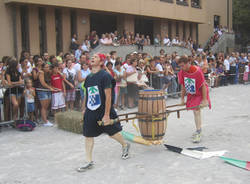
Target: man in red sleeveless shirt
194	85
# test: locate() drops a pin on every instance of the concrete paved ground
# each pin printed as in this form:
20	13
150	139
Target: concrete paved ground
50	155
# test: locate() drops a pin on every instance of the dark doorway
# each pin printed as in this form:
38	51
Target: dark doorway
25	28
58	22
170	30
73	24
184	30
145	27
191	30
42	30
103	23
177	29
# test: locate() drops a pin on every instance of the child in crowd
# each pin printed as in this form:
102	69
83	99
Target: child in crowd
58	97
29	94
213	76
221	74
109	69
81	76
246	72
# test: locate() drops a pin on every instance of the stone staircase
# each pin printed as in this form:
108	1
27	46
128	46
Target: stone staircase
123	50
225	43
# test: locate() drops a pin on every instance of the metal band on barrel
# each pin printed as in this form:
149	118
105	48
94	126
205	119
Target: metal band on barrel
156	135
149	120
152	98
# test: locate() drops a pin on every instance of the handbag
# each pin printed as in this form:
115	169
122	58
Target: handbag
25	125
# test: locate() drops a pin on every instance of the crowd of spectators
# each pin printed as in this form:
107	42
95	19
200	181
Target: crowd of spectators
128	38
55	83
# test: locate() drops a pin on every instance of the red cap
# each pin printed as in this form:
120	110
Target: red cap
102	56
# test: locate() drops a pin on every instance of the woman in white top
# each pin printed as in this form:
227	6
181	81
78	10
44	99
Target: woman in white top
70	75
121	84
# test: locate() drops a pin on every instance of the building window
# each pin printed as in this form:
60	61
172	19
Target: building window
191	30
170	30
58	24
73	24
25	27
196	3
177	29
216	21
167	1
184	30
182	2
42	30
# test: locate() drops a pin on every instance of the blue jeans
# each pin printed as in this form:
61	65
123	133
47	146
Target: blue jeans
82	93
173	86
44	95
30	107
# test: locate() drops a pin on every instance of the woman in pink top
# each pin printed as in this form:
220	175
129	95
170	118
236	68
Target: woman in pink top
132	86
108	39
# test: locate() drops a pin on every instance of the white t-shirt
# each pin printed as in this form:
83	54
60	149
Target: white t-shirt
84	74
108	41
130	69
120	73
112	61
159	68
102	41
174	41
71	72
166	41
125	66
247	68
200	50
227	65
232	61
85	48
77	67
29	68
29	97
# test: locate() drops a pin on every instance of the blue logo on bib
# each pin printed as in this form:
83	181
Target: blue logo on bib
94	99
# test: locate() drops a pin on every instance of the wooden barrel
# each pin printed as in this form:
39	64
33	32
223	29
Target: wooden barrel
152	102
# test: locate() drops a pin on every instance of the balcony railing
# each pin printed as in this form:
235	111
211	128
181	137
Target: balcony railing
182	2
168	1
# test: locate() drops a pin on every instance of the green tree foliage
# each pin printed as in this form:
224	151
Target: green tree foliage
241	19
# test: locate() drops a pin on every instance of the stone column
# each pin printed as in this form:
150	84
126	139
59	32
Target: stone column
83	24
129	23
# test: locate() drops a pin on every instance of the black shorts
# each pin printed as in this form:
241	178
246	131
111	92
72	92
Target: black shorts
91	127
132	90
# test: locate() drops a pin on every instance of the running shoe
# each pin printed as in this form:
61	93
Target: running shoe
125	151
86	166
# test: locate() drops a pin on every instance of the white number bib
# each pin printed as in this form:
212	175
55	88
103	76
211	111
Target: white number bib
94	99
